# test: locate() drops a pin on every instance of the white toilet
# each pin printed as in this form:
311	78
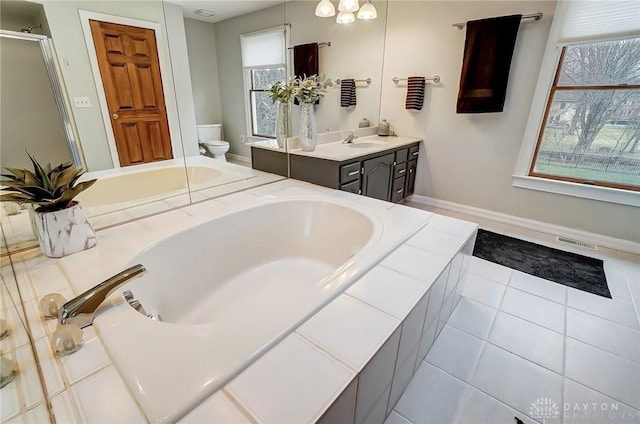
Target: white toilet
211	136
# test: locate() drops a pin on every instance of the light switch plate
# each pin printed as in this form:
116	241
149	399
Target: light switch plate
81	102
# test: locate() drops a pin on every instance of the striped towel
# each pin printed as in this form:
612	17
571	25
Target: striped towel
347	92
415	93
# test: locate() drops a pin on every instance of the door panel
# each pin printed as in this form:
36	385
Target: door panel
377	177
130	71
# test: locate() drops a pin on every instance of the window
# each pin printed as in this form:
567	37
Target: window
591	131
583	134
263	110
263	61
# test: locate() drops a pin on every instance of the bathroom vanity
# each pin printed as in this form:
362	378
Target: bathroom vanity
380	167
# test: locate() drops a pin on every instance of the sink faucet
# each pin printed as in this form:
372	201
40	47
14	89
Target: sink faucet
79	311
349	139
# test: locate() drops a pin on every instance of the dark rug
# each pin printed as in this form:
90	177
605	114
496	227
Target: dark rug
570	269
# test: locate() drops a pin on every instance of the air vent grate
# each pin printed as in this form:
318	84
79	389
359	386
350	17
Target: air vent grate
577	243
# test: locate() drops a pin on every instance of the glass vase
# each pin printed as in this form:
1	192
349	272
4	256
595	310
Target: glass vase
308	130
283	124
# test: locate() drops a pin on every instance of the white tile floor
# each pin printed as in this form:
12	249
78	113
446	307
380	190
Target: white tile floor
515	342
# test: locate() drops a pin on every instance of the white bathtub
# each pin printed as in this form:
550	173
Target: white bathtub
230	288
121	188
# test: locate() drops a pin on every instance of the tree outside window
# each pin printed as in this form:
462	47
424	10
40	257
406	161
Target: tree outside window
591	130
263	110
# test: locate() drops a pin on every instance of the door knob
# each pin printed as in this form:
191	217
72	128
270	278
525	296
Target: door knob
115	116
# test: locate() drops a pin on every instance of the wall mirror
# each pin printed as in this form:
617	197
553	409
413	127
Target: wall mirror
346	51
108	85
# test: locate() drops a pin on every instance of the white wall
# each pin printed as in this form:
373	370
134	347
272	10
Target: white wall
470	159
30	118
181	81
71	49
227	35
203	65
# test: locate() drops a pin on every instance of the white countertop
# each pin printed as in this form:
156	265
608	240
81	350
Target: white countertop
339	151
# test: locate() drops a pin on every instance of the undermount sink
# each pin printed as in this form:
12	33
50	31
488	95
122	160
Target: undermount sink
365	144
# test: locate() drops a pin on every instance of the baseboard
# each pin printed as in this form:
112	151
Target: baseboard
597	239
239	158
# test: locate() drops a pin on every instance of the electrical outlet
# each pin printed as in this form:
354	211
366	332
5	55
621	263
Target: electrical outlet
81	102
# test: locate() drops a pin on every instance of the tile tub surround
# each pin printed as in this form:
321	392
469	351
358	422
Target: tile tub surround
404	340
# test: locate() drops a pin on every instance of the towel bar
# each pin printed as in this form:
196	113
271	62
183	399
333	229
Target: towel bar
368	81
325	43
534	16
435	79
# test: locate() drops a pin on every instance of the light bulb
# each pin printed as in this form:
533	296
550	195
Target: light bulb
348	5
325	9
345	18
367	11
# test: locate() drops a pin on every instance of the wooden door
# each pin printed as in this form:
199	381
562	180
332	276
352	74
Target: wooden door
376	179
130	71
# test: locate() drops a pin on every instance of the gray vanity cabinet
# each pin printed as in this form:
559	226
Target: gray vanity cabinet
388	175
376	176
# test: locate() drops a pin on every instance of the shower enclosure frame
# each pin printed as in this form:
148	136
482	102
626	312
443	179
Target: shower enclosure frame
62	102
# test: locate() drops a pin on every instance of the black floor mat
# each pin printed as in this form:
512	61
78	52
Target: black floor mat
570	269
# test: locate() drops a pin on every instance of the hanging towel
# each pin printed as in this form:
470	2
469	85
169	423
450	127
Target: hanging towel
415	93
347	92
488	50
305	62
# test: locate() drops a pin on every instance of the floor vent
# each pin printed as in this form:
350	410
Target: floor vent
577	243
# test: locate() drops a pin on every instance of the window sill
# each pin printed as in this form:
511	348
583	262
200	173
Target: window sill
603	194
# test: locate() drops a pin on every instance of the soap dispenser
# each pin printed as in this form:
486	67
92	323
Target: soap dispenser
364	123
383	128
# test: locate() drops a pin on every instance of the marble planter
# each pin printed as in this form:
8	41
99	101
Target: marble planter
61	233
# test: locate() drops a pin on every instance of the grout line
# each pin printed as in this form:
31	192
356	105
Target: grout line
600	393
564	353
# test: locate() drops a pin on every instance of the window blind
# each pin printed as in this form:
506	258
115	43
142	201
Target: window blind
591	20
263	48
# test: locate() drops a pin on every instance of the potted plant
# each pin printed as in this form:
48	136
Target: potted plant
282	93
61	225
308	90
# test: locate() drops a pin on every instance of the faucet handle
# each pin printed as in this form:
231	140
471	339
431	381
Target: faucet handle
79	311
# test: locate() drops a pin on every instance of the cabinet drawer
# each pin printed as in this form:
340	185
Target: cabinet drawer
413	152
400	170
397	190
352	187
349	172
401	155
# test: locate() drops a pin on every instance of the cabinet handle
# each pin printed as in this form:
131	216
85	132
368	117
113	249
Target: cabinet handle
415	153
402	171
399	191
352	173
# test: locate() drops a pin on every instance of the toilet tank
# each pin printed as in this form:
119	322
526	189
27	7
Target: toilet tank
209	132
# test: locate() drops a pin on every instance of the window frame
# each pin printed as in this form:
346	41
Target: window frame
543	123
249	72
247	81
521	178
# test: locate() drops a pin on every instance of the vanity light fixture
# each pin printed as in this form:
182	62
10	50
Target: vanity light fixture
205	13
325	9
348	6
345	18
367	11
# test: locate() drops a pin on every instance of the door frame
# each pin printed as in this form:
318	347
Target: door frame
165	74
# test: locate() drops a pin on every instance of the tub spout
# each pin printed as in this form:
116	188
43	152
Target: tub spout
80	311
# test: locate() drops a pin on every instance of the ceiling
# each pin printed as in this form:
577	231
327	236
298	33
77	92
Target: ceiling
224	9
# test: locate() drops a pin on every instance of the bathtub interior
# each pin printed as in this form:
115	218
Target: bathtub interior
133	186
254	260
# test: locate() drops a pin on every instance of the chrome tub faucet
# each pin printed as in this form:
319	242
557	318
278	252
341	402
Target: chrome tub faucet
80	311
